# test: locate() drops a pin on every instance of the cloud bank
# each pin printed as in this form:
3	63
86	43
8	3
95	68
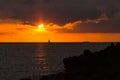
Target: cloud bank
69	15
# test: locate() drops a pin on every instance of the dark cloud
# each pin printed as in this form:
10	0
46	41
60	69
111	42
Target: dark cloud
61	11
89	27
111	11
21	29
46	1
4	33
28	2
104	27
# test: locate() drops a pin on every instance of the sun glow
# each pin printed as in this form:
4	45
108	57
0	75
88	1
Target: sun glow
41	28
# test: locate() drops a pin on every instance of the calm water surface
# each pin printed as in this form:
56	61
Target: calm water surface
21	60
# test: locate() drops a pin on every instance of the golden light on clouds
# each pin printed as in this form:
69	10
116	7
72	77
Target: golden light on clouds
10	32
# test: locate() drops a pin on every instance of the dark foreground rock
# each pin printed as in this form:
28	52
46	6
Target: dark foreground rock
102	65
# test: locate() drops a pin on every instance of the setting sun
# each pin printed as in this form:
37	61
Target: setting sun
41	26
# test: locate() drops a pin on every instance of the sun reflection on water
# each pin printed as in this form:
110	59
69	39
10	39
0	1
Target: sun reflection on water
40	66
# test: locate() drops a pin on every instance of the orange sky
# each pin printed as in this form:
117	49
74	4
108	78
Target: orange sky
18	32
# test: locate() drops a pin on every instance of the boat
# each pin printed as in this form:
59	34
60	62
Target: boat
49	41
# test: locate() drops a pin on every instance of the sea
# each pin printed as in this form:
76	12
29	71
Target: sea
23	60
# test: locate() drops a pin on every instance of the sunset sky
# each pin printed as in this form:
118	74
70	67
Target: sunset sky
61	20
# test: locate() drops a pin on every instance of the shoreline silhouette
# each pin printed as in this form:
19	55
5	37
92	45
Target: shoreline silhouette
99	65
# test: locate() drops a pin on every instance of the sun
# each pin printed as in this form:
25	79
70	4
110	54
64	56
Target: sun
41	26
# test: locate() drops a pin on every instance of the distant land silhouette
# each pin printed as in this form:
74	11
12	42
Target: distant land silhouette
100	65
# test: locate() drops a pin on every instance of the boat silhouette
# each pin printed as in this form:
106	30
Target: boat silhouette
49	41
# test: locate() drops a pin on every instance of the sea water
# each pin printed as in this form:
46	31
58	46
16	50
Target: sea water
22	60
